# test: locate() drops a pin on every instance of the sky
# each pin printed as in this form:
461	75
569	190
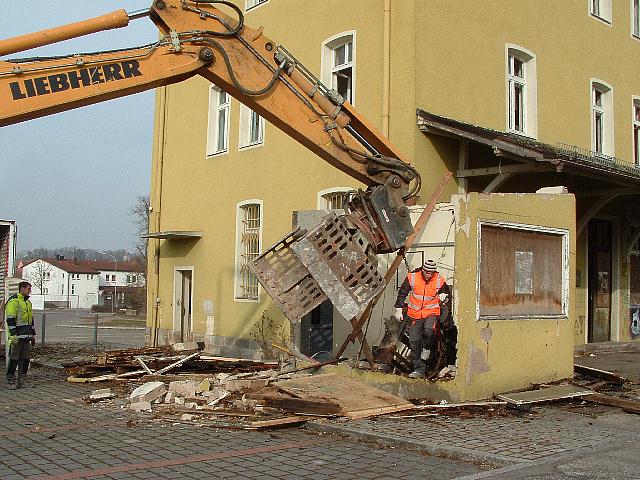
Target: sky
69	179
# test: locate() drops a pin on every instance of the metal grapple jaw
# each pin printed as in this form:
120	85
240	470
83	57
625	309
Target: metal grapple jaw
336	260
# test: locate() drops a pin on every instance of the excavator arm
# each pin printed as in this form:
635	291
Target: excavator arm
198	38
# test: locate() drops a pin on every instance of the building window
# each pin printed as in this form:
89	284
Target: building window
62	289
254	3
248	244
338	64
333	198
601	118
533	268
47	275
46	291
73	289
218	129
635	18
601	9
251	128
521	91
636	132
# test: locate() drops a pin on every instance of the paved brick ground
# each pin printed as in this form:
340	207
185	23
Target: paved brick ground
553	430
48	432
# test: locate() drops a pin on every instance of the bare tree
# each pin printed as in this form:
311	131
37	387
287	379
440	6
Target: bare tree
40	275
140	217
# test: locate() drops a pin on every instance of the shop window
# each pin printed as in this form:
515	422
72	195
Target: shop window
523	272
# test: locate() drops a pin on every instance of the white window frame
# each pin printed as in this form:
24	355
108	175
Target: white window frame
73	289
529	84
606	110
216	109
328	69
635	18
635	126
238	293
253	4
601	10
322	201
247	119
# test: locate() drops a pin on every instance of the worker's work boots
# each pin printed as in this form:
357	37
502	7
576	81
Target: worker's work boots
21	382
12	385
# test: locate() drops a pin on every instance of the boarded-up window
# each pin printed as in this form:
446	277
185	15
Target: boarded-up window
522	273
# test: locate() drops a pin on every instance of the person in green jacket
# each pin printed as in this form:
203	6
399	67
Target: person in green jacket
20	334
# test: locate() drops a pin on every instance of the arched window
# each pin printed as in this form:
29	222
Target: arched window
521	91
248	248
339	63
602	118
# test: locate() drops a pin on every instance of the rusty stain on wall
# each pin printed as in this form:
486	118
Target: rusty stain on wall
485	334
477	363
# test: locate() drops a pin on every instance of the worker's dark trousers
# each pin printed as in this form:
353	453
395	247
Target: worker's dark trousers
19	357
422	335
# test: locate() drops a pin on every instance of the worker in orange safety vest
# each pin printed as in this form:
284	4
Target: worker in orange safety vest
426	289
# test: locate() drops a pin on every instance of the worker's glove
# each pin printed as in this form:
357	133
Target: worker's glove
443	297
398	314
13	340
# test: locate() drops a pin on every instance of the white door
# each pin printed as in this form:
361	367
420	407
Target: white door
183	304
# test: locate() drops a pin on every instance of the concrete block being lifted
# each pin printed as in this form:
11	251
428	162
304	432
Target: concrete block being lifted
148	392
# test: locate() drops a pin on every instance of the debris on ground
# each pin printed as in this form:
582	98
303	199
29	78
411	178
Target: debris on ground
137	362
100	395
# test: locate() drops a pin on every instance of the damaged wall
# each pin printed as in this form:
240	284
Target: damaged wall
501	354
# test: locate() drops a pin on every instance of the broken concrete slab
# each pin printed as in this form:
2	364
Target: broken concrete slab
148	392
203	386
140	406
168	398
557	392
244	384
184	388
99	395
185	347
186	417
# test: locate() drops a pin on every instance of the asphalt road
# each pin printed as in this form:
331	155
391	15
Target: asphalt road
78	326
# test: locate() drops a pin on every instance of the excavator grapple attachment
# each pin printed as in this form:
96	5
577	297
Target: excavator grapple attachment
328	262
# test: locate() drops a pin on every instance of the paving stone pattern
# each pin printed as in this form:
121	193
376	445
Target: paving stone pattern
502	440
48	432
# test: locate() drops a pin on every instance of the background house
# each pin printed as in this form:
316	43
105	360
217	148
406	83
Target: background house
62	282
511	96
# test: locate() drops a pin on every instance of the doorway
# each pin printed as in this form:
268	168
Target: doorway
316	337
600	280
183	302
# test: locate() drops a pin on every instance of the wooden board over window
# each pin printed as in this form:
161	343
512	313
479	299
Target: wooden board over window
522	273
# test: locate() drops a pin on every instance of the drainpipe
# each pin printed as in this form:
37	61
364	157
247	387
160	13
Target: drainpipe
154	245
386	66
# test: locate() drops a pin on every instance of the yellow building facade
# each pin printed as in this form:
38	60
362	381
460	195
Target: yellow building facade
511	96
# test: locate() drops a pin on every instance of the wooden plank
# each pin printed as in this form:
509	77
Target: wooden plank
302	405
278	422
459	405
375	412
353	396
629	406
178	363
104	378
144	365
597	373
